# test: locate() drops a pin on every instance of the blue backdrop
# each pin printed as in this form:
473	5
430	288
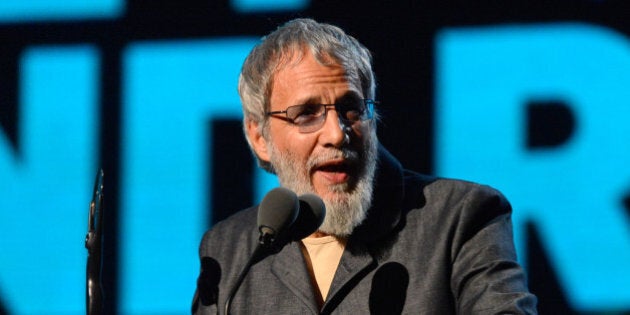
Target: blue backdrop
530	99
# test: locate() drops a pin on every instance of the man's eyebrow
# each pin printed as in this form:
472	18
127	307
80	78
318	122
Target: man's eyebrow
348	96
308	101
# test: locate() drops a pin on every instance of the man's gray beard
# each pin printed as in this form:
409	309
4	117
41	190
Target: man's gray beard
349	205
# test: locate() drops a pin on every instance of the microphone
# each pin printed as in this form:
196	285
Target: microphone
311	216
278	210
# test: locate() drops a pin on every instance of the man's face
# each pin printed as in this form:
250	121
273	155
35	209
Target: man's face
337	161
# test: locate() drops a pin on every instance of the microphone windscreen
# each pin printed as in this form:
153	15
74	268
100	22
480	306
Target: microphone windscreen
277	211
311	216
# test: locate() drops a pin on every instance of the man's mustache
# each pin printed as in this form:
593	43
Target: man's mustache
350	156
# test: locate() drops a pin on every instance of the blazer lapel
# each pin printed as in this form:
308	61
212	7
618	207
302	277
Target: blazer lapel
289	267
355	263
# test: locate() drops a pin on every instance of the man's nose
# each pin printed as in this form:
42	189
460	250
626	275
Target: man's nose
333	131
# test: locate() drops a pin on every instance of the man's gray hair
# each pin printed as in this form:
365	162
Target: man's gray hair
289	41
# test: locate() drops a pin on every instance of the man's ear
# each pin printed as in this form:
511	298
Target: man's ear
256	139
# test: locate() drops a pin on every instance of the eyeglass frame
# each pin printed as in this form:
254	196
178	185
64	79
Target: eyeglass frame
368	107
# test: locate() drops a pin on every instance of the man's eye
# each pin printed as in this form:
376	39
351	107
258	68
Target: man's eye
351	112
353	115
306	114
308	111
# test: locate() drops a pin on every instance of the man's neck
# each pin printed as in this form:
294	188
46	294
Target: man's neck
318	234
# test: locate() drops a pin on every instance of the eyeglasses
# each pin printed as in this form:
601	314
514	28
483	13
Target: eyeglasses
311	117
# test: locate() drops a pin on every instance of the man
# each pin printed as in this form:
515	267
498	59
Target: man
392	241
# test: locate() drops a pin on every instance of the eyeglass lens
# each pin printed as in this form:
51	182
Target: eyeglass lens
311	117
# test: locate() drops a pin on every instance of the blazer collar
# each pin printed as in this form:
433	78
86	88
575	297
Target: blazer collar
289	267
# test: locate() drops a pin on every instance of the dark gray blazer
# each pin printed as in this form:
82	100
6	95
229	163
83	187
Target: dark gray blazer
428	246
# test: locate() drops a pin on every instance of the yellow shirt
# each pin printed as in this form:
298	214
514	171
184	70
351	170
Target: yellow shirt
322	255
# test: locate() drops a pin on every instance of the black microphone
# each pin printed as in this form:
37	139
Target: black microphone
311	216
277	211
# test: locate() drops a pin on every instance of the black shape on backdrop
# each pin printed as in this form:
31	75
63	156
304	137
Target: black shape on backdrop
8	97
551	297
550	123
3	310
110	140
232	169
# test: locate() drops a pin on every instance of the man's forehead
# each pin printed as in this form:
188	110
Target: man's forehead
312	87
294	55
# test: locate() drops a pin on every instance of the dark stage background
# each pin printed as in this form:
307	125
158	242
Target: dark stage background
530	97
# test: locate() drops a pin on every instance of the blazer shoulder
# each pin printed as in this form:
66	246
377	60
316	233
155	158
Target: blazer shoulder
225	233
466	191
464	201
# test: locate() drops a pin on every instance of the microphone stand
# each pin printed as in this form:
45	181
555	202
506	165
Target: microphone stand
93	242
276	213
264	244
